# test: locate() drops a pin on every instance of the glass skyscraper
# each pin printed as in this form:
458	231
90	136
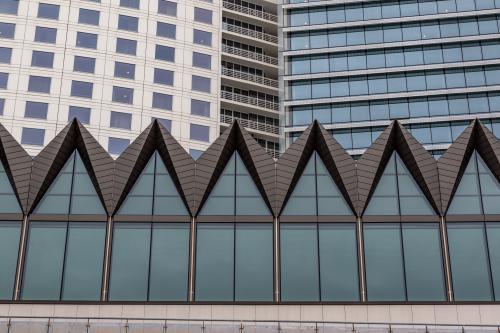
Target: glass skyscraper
356	65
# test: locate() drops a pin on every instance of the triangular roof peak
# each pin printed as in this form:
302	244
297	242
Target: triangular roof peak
211	164
420	163
49	162
338	162
129	165
453	163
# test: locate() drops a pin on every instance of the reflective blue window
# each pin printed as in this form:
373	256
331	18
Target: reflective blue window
44	35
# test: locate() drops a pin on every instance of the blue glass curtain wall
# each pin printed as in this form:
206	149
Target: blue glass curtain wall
392	33
382	10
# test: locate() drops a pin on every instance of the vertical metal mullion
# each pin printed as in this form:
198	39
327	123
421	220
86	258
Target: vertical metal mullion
21	258
192	260
361	259
151	225
317	223
67	226
446	255
277	272
234	227
400	225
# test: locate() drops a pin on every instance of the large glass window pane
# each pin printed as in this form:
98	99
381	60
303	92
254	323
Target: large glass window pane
84	261
130	262
169	262
384	262
469	262
493	232
338	261
44	261
214	262
299	262
9	245
423	263
254	262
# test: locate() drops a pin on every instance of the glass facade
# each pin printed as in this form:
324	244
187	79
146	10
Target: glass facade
316	193
238	247
362	63
154	192
149	262
319	262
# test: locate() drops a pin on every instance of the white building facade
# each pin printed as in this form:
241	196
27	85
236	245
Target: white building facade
113	64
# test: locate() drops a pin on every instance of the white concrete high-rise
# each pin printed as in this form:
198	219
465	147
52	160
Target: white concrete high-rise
114	64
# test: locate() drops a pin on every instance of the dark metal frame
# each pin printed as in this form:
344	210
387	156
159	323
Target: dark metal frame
275	181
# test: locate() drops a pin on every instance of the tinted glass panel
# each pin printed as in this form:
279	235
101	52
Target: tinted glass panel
36	110
128	23
339	262
169	262
87	16
9	245
123	95
167	7
84	261
7	30
126	46
130	262
202	15
84	64
39	84
202	60
162	101
48	11
117	145
124	70
214	262
493	232
423	264
165	53
86	40
165	30
254	262
299	262
80	113
200	108
32	136
384	262
44	35
44	261
9	6
81	89
42	59
199	132
469	262
5	55
202	37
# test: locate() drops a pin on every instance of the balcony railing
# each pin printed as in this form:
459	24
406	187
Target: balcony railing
261	103
249	77
249	11
249	54
274	153
251	124
250	33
